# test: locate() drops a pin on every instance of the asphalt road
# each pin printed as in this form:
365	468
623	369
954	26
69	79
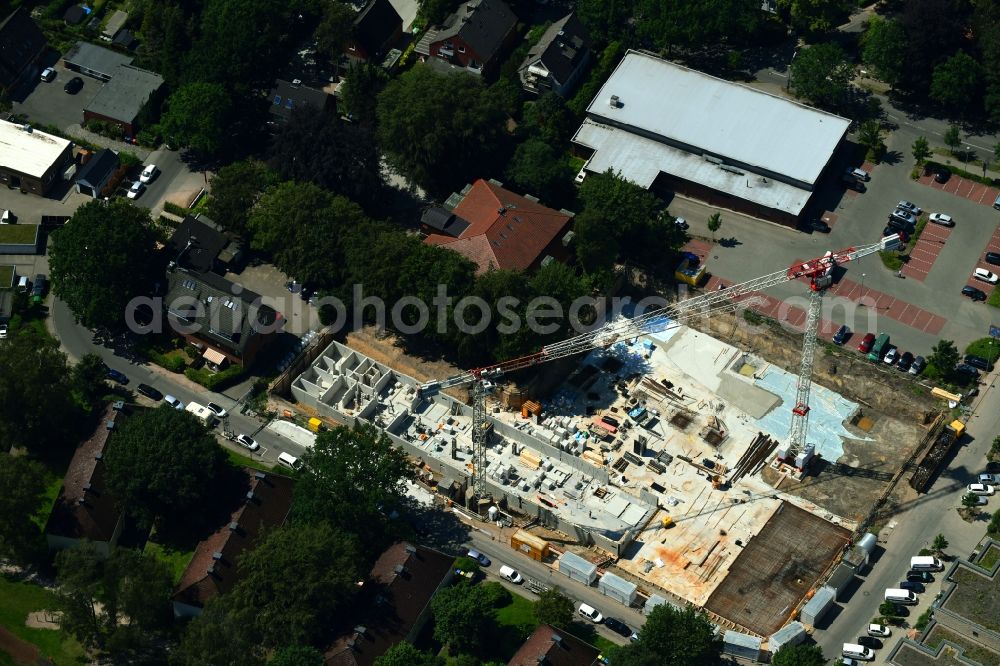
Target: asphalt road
78	341
916	525
172	169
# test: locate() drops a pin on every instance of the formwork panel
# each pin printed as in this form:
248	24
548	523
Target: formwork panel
776	569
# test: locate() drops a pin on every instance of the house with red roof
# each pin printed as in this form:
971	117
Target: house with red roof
551	647
212	569
498	229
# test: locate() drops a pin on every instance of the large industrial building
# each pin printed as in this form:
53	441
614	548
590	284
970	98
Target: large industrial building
32	161
673	129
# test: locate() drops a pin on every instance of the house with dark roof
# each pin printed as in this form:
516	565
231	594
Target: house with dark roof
474	38
287	96
95	61
377	28
394	603
100	175
200	245
497	229
131	93
22	46
559	59
263	504
75	14
85	508
219	317
549	646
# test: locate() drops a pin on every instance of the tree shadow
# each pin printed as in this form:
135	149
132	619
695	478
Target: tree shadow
892	157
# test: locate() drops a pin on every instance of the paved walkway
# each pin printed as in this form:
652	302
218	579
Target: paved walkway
961	187
926	250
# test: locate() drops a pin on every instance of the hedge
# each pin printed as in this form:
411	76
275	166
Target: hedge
171	363
215	380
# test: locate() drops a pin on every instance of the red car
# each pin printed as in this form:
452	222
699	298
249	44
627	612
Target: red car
866	343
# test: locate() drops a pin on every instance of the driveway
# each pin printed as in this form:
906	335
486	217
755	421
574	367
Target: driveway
49	104
270	283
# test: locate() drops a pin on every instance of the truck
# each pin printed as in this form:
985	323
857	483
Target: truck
879	348
201	412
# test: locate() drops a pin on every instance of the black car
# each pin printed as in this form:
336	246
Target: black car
903	236
149	392
919	363
617	626
942	175
904	362
974	293
919	576
820	226
841	336
74	85
966	369
993	258
117	376
912	586
978	362
870	642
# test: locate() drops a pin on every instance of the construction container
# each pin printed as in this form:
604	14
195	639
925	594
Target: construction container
652	602
792	633
576	568
842	578
741	645
817	607
617	588
314	424
534	547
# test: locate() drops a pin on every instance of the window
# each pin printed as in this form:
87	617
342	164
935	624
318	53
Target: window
289	103
277	100
461	49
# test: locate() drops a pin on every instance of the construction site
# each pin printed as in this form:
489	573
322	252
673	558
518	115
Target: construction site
657	453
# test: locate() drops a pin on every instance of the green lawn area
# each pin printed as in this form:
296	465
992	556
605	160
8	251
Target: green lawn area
994	298
576	163
6	277
244	461
987	348
53	483
19	599
990	558
18	234
519	614
603	644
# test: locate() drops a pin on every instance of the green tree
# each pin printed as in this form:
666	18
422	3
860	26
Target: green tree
970	501
199	116
548	119
953	138
297	655
224	634
554	608
352	478
957	82
883	48
870	136
359	92
150	483
799	655
605	20
463	616
334	29
672	637
164	35
541	169
23	496
888	609
88	381
813	17
691	24
821	74
428	138
939	544
944	356
714	223
921	149
993	529
435	11
235	190
404	654
102	259
32	366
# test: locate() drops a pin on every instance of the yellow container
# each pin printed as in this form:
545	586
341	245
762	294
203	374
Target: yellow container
314	424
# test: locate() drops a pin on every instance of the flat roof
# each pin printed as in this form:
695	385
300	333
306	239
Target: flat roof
720	117
640	160
30	153
126	93
95	58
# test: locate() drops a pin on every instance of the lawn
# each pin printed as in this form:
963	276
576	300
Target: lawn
971	650
994	298
241	460
990	558
18	234
53	484
6	277
19	599
987	348
519	614
176	559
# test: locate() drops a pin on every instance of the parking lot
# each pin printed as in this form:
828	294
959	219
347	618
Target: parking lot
47	103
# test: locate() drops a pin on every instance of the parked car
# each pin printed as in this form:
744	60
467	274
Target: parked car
149	172
910	206
247	442
136	190
3	331
841	336
880	630
890	355
984	275
992	258
617	626
870	642
580	176
117	376
904	237
942	176
590	613
38	288
48	74
942	219
973	293
149	392
904	362
860	174
511	574
978	362
73	86
981	489
919	363
682	223
173	402
866	343
819	226
919	576
912	586
479	557
217	410
966	369
990	479
903	216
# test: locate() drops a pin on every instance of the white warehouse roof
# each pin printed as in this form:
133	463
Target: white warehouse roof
719	117
30	153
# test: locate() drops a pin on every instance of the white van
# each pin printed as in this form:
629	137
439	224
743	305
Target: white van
925	563
590	613
899	596
23	284
288	460
854	651
511	574
201	412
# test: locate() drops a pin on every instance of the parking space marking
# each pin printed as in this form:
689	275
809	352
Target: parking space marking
926	251
968	189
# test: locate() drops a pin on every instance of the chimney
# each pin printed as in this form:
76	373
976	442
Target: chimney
216	556
110	425
259	475
82	501
557	640
233	526
86	487
250	496
501	210
360	630
615	102
211	570
399	569
411	549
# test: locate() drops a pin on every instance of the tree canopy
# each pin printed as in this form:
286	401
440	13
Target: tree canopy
199	115
23	483
235	190
404	654
359	92
463	617
102	259
297	655
883	48
672	637
956	81
821	74
540	168
799	655
554	608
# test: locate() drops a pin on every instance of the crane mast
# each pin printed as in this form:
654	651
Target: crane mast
817	271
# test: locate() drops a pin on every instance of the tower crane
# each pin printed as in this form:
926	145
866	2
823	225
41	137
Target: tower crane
818	272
